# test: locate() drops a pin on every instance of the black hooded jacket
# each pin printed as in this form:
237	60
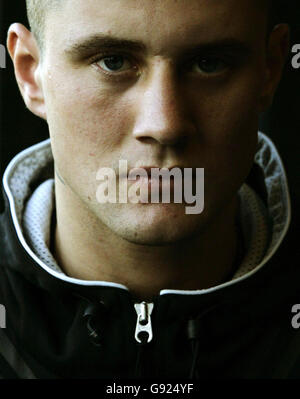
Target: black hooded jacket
59	327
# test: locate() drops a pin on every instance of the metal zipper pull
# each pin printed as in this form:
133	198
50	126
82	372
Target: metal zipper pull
143	331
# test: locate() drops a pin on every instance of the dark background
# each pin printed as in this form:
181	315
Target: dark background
19	128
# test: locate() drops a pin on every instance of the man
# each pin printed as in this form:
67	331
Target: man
123	289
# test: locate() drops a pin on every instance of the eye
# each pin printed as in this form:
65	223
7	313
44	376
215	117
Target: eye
114	63
210	65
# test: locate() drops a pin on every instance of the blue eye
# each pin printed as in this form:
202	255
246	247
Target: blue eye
114	63
210	65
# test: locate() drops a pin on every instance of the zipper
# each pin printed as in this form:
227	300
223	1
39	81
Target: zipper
143	330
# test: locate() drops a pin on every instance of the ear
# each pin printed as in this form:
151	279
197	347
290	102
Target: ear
276	56
25	55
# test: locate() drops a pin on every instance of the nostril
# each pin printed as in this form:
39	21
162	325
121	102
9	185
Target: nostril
171	139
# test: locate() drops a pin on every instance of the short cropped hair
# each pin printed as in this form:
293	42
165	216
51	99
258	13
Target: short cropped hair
37	12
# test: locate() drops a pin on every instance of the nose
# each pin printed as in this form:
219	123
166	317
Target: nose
161	111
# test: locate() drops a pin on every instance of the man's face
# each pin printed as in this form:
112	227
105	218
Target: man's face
187	93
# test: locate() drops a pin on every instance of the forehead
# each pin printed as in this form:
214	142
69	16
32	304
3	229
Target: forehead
157	23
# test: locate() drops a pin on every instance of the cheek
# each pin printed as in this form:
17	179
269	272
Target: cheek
229	112
228	124
233	110
85	116
87	127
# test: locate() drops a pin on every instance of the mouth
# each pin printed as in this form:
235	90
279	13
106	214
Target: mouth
165	188
166	185
154	172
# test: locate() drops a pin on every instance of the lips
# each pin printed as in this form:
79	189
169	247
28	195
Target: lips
149	169
155	181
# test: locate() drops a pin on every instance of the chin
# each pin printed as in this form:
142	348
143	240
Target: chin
155	224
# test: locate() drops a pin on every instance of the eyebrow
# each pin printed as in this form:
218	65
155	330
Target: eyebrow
89	45
93	43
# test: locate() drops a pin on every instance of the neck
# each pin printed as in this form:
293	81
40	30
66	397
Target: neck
90	251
